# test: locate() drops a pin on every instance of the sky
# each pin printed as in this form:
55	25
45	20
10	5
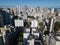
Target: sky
30	3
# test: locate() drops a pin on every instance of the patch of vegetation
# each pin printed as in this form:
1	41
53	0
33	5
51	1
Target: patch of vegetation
41	26
20	37
56	26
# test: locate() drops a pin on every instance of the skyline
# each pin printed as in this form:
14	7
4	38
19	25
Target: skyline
30	3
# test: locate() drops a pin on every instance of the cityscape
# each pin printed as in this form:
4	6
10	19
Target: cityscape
29	22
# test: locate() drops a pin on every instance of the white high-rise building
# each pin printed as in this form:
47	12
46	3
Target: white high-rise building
34	23
31	42
18	23
52	10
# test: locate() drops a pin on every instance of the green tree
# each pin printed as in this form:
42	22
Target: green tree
20	37
41	26
56	26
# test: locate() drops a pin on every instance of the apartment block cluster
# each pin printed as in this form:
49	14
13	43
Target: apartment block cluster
26	20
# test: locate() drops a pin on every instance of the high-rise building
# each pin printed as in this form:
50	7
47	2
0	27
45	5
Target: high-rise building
18	23
6	17
1	21
1	40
